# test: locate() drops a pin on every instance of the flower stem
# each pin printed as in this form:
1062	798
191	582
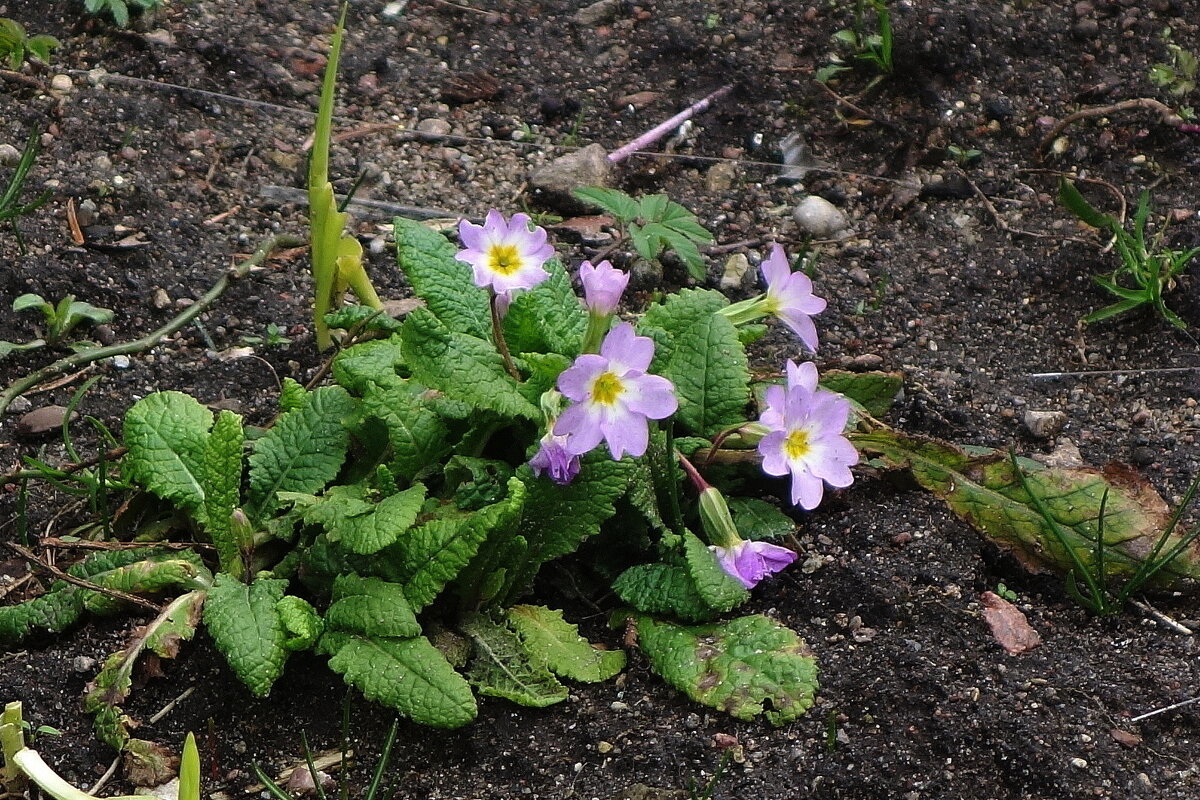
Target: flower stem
498	336
598	325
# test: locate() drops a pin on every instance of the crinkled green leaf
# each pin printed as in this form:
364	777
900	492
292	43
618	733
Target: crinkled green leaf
167	434
874	391
221	475
758	519
500	545
366	527
463	367
503	667
557	644
245	625
477	482
548	317
716	587
445	284
371	607
409	675
708	368
293	395
663	589
302	624
983	490
417	434
155	573
745	667
366	363
670	320
302	452
362	318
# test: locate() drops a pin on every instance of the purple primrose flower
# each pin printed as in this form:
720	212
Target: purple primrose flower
552	458
805	438
750	562
613	396
603	286
790	297
506	256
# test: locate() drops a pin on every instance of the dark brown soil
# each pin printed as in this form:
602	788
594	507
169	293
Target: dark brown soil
917	699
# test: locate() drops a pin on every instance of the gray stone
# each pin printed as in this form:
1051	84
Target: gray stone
719	177
1044	424
819	218
61	83
597	13
9	155
588	166
737	267
437	127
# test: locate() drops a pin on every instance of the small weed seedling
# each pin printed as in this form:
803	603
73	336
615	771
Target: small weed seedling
871	48
119	9
654	224
1178	77
1006	593
274	336
10	205
963	156
63	317
16	46
1147	270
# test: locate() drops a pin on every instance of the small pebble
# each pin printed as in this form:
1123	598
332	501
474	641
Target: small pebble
818	217
1044	424
436	127
61	83
19	405
1079	762
737	267
859	276
43	420
160	299
83	663
9	155
121	362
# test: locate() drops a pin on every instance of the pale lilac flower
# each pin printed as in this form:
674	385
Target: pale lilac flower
802	376
806	440
790	297
552	457
603	286
750	562
506	256
613	396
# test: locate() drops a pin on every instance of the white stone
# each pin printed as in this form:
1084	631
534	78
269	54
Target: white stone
61	83
819	218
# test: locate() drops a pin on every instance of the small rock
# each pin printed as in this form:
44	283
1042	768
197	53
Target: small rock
161	37
586	167
1065	456
85	213
1079	763
719	177
604	747
19	405
1125	737
161	299
859	276
83	663
866	362
301	782
998	108
394	10
9	155
61	83
589	230
1143	456
43	420
121	362
1044	424
436	127
597	13
819	218
1086	29
637	100
737	267
104	334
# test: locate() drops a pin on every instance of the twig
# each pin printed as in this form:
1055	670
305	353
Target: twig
83	544
80	582
662	129
1044	376
1169	117
20	386
362	207
169	707
69	469
859	110
1163	618
1004	226
106	777
1164	710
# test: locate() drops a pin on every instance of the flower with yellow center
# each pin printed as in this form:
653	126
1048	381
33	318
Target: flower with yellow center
613	397
506	255
805	438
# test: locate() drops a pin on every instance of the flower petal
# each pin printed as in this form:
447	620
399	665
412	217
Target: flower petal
626	350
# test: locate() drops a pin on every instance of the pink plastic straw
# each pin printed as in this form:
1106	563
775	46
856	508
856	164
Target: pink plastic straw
657	132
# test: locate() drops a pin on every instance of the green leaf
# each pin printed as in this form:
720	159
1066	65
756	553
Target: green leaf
557	644
758	519
614	201
663	589
688	253
548	317
653	207
371	607
716	587
418	436
167	437
367	528
375	361
874	391
746	667
302	624
709	370
293	395
464	367
246	628
1070	197
409	675
445	284
503	667
362	318
642	242
675	316
679	219
302	452
221	475
983	490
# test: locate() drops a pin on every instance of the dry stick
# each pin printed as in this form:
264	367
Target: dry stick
20	386
1158	711
70	469
69	578
1004	226
83	544
169	707
1169	117
107	776
1163	618
662	129
858	109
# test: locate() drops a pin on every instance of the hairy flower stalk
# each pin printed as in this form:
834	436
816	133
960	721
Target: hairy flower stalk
613	397
806	440
747	561
506	256
789	297
603	286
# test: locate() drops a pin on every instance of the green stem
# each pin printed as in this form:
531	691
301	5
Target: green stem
498	337
598	325
746	311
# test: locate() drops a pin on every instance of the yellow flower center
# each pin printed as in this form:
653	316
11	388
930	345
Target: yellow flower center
606	389
771	305
504	259
796	445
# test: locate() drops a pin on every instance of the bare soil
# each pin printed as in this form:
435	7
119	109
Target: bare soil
205	103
